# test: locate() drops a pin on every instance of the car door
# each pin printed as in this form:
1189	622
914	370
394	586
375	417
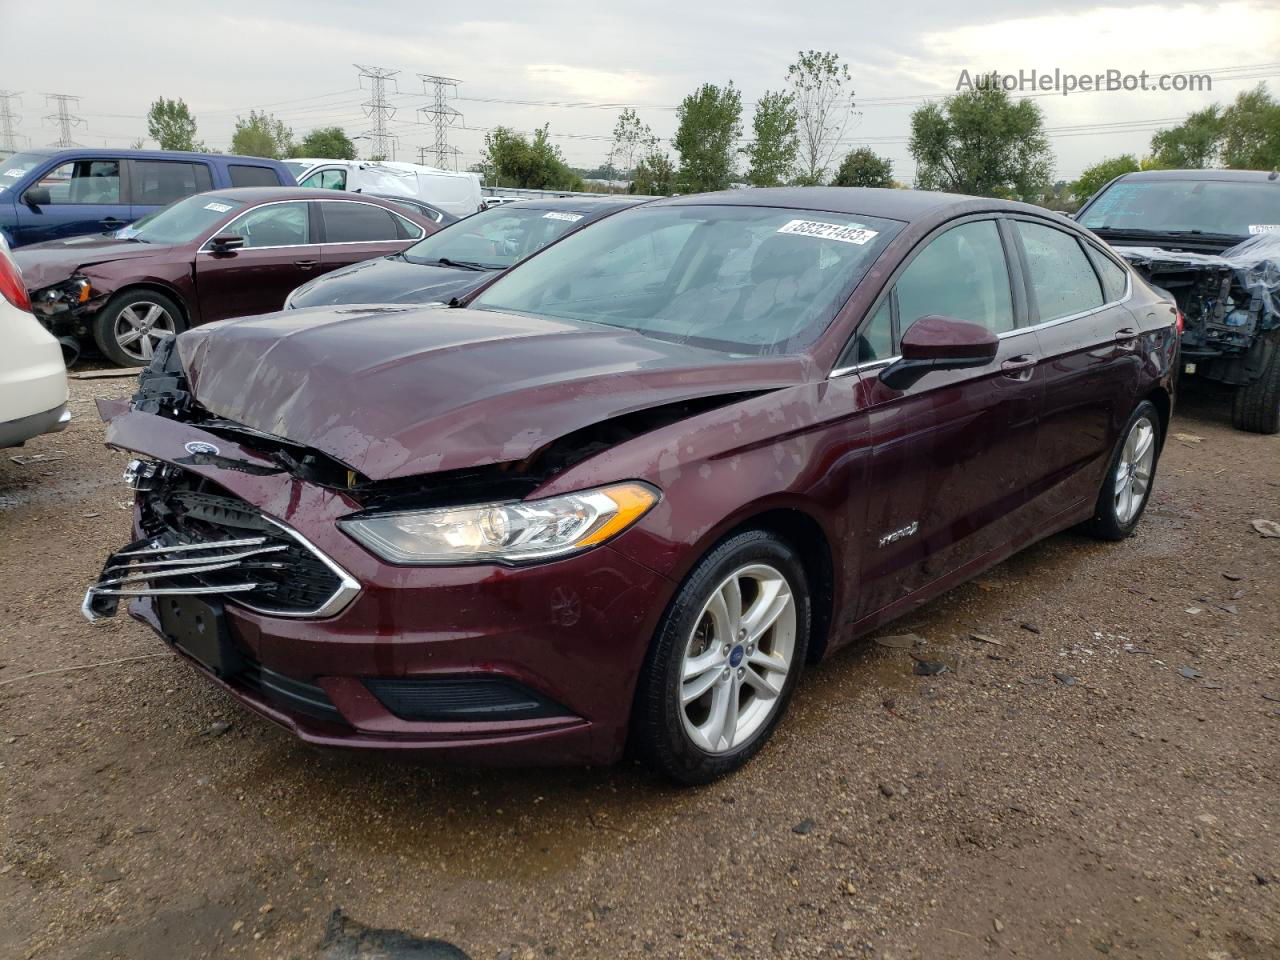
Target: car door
946	486
1090	365
86	196
355	230
157	183
279	254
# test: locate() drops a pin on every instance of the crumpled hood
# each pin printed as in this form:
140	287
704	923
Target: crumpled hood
396	392
388	280
53	261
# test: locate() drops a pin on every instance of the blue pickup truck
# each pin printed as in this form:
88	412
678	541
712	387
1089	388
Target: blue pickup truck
56	193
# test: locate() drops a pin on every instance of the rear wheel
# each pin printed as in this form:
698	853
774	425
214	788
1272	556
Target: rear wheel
130	327
1257	406
1127	485
725	660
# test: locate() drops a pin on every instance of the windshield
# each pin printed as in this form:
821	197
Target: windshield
182	221
1223	207
494	239
17	167
297	168
751	280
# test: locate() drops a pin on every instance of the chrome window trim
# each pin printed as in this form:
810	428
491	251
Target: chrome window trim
205	248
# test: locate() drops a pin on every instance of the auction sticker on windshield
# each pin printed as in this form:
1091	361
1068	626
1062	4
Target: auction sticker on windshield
1257	228
555	215
850	233
217	207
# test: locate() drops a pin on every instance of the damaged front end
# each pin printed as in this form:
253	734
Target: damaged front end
1230	304
66	309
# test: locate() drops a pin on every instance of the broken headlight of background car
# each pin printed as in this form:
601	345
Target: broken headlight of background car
62	296
504	532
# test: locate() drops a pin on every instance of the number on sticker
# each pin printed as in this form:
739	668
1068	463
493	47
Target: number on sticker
556	215
1257	228
217	207
846	233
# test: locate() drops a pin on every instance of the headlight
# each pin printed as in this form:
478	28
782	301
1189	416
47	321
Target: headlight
504	532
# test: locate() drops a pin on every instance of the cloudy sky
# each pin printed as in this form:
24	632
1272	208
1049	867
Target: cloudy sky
571	65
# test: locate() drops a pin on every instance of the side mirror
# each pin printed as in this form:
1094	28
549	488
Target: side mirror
939	343
37	197
226	243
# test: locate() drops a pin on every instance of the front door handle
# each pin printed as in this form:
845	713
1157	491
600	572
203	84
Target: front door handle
306	264
1020	367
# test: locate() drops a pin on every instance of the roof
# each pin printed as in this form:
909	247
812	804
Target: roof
907	205
1245	176
605	203
262	194
147	154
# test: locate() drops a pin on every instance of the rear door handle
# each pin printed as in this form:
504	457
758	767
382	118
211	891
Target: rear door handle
306	264
1020	367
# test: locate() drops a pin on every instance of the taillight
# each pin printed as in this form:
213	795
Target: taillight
11	285
1181	322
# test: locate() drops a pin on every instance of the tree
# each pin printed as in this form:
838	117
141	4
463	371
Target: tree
981	142
864	168
774	150
818	83
1251	131
535	164
709	125
1192	144
327	143
170	124
629	138
262	135
1101	173
655	174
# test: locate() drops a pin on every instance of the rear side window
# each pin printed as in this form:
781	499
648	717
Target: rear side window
960	274
160	182
84	181
1114	278
349	222
247	175
1061	275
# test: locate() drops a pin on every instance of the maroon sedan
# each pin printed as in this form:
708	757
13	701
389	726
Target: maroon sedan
226	253
633	486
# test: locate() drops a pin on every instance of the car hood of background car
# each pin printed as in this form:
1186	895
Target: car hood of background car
390	280
50	262
397	392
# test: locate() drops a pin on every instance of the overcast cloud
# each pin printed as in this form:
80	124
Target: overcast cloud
297	60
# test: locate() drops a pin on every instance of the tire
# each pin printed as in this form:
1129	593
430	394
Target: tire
146	313
1256	408
690	743
1119	507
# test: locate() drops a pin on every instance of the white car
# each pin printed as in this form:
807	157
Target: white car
33	378
456	193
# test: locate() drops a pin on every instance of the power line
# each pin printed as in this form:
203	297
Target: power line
8	120
382	144
443	114
66	119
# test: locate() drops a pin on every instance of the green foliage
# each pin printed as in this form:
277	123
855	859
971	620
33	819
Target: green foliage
535	164
262	135
774	150
864	168
1251	131
629	138
823	101
1103	172
170	124
655	174
709	125
1193	144
981	142
326	143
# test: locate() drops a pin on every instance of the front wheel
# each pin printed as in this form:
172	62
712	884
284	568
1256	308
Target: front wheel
130	327
1257	407
725	659
1127	485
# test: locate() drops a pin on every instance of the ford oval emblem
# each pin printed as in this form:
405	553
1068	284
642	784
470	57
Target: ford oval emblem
200	446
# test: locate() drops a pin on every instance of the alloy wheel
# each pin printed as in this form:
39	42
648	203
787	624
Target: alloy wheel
139	328
1133	472
737	658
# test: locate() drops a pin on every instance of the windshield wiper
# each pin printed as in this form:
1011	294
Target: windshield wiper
465	264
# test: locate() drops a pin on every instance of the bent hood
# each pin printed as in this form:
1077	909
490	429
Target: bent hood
43	264
396	392
389	280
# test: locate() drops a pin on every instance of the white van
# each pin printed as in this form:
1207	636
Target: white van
455	193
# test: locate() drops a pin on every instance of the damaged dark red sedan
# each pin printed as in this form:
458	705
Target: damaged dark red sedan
626	492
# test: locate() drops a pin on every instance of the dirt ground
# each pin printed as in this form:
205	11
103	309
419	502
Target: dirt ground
1103	782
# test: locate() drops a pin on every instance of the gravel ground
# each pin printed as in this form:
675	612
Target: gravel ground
1103	781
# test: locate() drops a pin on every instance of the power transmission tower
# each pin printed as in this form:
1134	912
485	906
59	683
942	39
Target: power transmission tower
382	145
8	120
66	119
443	116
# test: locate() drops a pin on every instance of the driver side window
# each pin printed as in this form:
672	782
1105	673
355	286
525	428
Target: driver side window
273	225
332	178
962	274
